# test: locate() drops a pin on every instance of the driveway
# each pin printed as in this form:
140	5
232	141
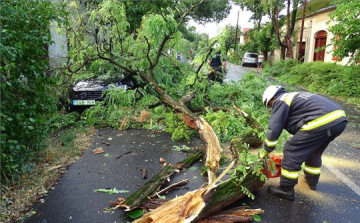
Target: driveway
337	198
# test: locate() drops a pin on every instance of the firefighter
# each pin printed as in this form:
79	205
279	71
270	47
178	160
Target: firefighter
314	121
218	66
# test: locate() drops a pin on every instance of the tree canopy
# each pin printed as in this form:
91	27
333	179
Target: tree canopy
346	29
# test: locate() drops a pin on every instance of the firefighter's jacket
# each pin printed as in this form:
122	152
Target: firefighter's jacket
301	111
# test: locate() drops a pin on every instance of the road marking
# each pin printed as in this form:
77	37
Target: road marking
344	178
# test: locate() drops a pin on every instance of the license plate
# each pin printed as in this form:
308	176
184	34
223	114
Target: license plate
83	102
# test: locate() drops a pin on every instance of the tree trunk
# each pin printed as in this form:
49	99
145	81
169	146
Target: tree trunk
289	52
282	55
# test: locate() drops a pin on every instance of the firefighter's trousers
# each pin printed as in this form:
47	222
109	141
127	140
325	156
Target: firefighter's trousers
306	146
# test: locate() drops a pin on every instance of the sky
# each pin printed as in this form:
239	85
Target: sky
213	29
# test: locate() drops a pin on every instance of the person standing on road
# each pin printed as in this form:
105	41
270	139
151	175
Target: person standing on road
218	67
260	60
314	121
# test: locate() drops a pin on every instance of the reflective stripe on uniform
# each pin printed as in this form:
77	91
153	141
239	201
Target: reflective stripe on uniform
290	175
288	97
323	120
312	170
270	143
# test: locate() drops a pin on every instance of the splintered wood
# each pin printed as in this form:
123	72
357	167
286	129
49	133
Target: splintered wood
181	209
213	148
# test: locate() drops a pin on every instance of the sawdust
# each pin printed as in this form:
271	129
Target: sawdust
317	196
341	162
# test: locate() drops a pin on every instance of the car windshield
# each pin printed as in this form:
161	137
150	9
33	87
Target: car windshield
252	55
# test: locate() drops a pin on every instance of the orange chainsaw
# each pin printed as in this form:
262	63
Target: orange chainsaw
272	166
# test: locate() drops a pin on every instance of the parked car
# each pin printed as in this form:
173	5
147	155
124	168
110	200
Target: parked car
87	92
250	59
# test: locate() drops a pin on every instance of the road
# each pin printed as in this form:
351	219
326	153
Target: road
337	198
235	72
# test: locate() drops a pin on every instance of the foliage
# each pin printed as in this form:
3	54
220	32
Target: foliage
255	6
326	78
111	191
181	148
313	6
248	164
210	11
346	30
280	68
136	213
28	96
231	37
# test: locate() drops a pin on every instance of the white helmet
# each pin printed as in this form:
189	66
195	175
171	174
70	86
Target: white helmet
270	92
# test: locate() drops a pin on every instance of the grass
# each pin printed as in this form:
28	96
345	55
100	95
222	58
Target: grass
64	148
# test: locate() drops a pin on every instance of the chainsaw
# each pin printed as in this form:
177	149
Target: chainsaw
272	166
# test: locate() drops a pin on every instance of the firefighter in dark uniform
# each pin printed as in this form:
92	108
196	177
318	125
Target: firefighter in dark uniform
314	121
218	66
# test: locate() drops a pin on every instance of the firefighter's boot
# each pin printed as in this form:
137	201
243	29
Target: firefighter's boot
284	192
311	182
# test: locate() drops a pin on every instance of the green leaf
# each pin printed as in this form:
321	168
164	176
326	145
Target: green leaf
193	168
257	218
111	191
30	127
108	155
137	213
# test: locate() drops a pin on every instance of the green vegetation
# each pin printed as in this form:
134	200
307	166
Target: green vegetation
346	30
324	78
313	6
123	109
28	94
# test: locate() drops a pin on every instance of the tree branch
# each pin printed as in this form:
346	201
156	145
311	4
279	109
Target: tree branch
117	64
148	51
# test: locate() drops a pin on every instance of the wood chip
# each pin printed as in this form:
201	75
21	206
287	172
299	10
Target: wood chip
53	168
98	151
144	172
105	143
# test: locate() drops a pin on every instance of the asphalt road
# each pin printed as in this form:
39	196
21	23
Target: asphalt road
337	198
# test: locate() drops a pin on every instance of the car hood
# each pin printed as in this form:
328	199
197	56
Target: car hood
94	85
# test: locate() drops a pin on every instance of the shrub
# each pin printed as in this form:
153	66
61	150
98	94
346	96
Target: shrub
327	78
280	68
27	92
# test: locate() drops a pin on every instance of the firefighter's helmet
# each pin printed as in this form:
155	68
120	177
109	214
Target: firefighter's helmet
270	92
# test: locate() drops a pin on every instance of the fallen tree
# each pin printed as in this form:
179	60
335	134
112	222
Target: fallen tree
197	205
142	55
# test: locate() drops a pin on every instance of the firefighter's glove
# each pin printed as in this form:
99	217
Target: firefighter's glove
263	153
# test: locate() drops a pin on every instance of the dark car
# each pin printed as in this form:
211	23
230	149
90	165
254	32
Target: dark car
87	92
250	59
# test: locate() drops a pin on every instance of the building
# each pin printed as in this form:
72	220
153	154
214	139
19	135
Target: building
316	35
243	37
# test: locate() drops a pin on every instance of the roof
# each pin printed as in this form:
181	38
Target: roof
326	9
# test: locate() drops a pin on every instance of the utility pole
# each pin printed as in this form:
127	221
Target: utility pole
237	22
302	30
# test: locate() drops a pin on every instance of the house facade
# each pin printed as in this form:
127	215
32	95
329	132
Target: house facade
316	36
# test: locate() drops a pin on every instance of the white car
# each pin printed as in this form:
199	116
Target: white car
250	59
